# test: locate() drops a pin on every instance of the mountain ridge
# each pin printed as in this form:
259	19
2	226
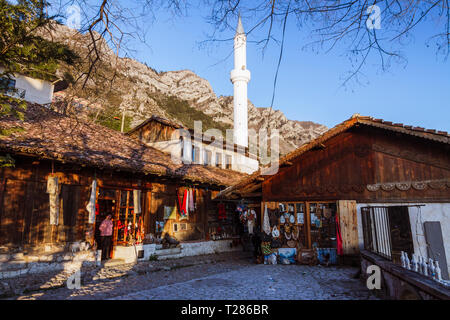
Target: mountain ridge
142	91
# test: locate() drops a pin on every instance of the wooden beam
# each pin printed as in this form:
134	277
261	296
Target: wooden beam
251	195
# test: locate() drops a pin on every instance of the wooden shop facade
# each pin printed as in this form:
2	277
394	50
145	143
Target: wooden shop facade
364	184
138	185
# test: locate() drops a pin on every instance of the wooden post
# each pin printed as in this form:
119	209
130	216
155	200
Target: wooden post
123	121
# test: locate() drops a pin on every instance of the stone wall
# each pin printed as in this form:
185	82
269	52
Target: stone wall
17	264
130	254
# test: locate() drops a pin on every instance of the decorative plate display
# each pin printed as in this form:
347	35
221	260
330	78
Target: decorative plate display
291	218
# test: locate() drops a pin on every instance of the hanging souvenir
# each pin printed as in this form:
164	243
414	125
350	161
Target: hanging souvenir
300	219
282	219
191	201
291	218
222	211
266	225
295	233
318	223
275	232
291	244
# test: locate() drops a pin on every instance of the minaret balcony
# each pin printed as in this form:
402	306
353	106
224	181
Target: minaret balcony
240	75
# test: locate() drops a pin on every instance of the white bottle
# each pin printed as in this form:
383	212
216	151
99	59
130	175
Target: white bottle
415	266
432	269
438	271
424	267
419	265
402	259
407	262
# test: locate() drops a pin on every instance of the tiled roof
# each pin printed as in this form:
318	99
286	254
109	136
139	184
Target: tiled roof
429	134
50	135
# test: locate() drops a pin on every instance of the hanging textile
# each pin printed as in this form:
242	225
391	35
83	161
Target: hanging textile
53	189
191	200
186	203
222	211
137	201
340	251
251	217
91	204
266	224
183	204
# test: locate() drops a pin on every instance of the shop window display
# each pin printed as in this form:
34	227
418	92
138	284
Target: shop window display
129	223
289	226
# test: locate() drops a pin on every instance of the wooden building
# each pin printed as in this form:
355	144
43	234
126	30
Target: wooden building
48	144
209	148
369	172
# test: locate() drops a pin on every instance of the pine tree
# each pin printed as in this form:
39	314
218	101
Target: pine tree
22	50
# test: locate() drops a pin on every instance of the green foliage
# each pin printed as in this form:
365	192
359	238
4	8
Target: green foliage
7	161
10	106
111	117
21	48
180	109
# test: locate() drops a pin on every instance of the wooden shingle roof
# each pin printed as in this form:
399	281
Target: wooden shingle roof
50	135
254	181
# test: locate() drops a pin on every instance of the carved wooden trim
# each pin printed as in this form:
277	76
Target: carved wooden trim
419	185
403	186
437	185
406	185
388	186
373	187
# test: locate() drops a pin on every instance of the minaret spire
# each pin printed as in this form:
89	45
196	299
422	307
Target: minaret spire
240	76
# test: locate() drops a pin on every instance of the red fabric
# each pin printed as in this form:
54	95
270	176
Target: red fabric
222	212
182	204
338	237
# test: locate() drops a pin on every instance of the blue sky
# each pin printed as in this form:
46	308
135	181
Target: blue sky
309	84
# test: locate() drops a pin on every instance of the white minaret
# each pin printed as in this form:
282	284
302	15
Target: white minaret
240	76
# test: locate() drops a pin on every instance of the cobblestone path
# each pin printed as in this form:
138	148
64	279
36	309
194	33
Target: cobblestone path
221	276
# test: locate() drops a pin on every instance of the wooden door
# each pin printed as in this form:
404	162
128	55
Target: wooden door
349	226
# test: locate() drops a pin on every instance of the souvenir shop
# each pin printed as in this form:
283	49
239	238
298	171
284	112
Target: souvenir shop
301	232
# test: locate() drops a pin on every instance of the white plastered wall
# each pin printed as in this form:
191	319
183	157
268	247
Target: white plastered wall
240	162
36	90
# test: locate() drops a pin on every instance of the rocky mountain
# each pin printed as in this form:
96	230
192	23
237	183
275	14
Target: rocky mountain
181	96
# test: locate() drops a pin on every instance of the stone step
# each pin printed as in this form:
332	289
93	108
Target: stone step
166	252
113	262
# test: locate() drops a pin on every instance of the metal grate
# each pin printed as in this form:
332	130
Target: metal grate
376	229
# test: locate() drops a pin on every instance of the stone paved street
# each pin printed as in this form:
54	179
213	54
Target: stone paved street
259	282
224	276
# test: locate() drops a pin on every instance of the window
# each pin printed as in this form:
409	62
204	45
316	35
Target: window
7	85
218	160
228	163
195	154
207	158
387	231
181	147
